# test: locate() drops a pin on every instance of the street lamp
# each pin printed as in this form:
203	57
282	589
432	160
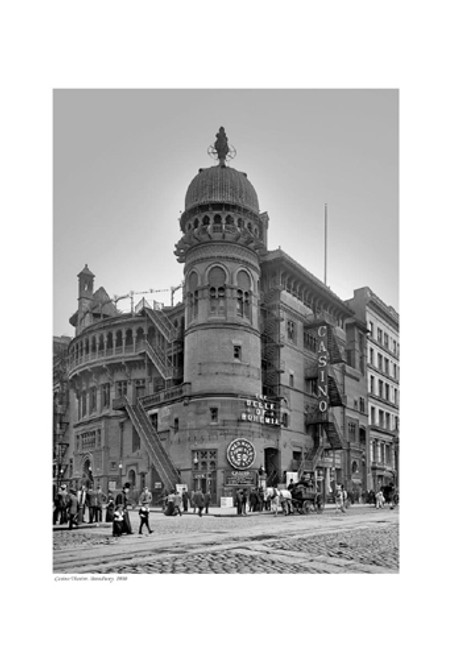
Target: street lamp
120	475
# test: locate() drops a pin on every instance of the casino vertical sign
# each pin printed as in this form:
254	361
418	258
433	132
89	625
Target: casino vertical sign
323	388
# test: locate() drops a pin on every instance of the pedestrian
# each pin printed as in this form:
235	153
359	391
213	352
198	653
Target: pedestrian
170	504
122	500
244	502
239	502
118	522
146	498
178	503
290	485
275	501
98	499
81	498
185	500
109	512
90	503
339	500
198	501
72	509
61	503
144	519
380	501
207	499
345	498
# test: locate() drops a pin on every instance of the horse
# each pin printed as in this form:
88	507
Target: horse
280	497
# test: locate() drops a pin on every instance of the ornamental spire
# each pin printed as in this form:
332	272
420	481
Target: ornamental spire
221	150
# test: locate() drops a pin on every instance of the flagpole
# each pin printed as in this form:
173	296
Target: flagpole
325	243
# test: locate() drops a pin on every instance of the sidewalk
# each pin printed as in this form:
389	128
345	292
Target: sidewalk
214	511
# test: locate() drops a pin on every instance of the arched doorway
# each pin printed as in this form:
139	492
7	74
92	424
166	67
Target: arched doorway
132	478
87	477
272	466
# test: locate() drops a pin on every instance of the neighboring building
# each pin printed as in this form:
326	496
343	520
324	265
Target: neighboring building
259	373
61	459
382	323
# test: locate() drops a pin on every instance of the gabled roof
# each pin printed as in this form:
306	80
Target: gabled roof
100	305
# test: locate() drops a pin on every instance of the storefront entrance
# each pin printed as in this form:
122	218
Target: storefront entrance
272	466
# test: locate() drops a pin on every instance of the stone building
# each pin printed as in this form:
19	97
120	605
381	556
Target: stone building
61	412
258	374
382	322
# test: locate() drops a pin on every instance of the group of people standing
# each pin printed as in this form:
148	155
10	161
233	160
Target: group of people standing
71	505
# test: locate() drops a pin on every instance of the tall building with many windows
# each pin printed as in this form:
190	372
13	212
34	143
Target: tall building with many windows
260	372
383	385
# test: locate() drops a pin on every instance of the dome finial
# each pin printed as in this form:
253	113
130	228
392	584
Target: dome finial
221	146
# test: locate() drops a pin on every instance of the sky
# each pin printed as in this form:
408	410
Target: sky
123	160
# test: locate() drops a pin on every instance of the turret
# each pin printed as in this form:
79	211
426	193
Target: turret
85	298
221	247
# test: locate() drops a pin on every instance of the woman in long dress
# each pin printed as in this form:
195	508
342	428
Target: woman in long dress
109	516
122	500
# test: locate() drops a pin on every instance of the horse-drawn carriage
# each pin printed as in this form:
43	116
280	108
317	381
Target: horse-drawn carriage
301	498
305	499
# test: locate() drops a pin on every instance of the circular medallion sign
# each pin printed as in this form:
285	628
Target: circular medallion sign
241	453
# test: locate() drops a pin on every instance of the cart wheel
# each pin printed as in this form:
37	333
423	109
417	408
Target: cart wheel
307	507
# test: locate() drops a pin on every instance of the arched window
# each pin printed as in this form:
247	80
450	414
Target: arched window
139	336
119	339
205	221
196	223
109	340
101	343
129	338
217	280
243	304
193	295
229	220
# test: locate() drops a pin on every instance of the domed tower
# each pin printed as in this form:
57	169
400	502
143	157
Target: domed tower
223	239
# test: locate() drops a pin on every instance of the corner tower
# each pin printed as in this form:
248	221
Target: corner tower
85	298
223	240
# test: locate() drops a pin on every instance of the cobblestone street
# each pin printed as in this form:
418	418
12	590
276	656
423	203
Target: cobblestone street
364	540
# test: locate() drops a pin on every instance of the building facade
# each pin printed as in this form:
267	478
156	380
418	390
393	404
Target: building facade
61	411
383	386
259	375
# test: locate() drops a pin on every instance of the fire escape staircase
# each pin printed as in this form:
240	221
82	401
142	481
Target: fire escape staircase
271	339
159	356
166	469
330	426
310	461
162	323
